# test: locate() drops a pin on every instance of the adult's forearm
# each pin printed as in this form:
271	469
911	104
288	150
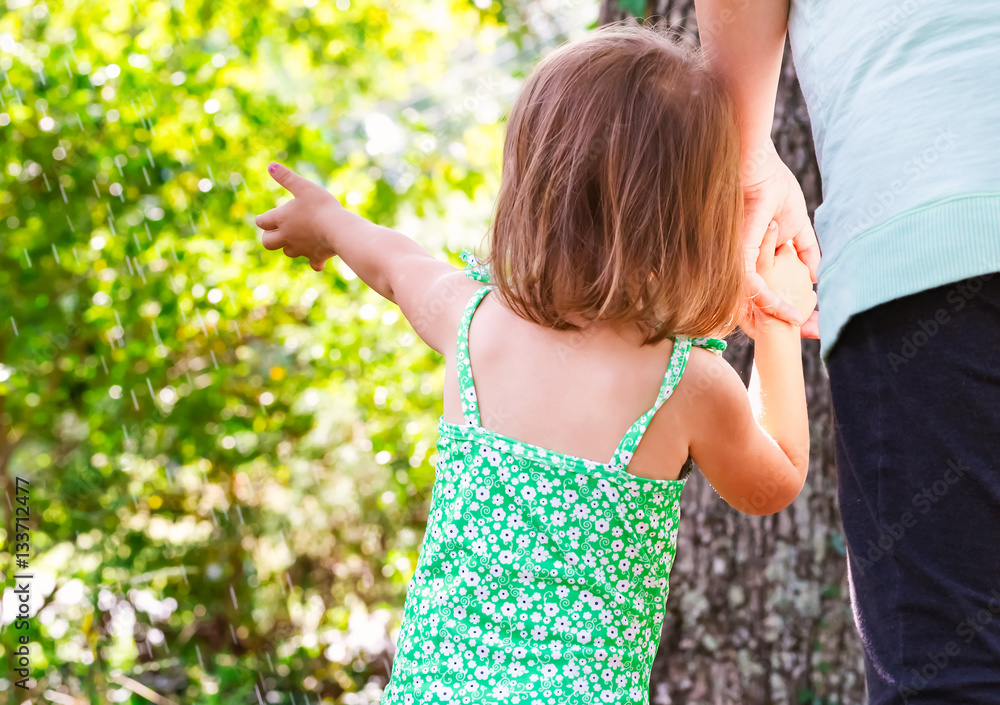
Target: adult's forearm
744	41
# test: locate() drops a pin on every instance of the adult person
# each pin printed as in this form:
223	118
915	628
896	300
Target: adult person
904	101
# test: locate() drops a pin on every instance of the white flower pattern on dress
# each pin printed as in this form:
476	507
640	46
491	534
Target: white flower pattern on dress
542	579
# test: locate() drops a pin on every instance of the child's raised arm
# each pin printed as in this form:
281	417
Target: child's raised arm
430	293
754	449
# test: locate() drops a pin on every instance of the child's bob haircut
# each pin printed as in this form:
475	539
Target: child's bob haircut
620	198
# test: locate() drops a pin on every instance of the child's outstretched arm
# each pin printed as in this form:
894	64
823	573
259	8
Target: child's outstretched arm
754	449
314	225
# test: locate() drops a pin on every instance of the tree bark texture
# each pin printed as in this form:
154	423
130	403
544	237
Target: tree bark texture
759	612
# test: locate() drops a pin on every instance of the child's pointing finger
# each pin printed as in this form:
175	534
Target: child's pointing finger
288	178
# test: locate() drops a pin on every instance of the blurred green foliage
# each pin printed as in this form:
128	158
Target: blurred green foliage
230	455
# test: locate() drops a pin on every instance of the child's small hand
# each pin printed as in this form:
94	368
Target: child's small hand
786	275
790	279
302	226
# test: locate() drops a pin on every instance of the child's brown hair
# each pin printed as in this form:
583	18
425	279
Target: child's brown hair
620	196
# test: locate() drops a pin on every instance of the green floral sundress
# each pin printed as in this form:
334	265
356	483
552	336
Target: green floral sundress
542	579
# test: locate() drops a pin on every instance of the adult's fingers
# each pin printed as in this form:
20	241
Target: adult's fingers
760	209
745	319
273	240
810	329
804	239
767	301
290	252
289	179
784	248
796	226
318	266
773	305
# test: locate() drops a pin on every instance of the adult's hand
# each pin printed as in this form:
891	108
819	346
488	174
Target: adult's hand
771	193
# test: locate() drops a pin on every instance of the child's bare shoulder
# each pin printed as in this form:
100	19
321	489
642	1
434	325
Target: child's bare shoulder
455	291
710	388
435	312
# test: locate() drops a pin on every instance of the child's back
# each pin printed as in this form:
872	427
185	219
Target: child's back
553	523
575	392
544	567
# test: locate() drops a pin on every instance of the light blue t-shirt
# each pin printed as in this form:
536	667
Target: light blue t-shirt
904	100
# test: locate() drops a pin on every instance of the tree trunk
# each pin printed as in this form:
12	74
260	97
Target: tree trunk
759	610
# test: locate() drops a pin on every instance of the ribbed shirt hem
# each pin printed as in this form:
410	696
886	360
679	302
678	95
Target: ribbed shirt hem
922	248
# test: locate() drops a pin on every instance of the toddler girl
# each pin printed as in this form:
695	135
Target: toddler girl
615	250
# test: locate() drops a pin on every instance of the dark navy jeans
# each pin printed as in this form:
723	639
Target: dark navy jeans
916	393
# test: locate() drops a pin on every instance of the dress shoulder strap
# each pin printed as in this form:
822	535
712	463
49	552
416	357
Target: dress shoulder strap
630	441
474	269
713	344
463	364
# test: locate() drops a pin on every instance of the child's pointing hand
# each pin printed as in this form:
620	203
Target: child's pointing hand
301	227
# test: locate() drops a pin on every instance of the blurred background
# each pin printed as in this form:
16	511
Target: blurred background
229	456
